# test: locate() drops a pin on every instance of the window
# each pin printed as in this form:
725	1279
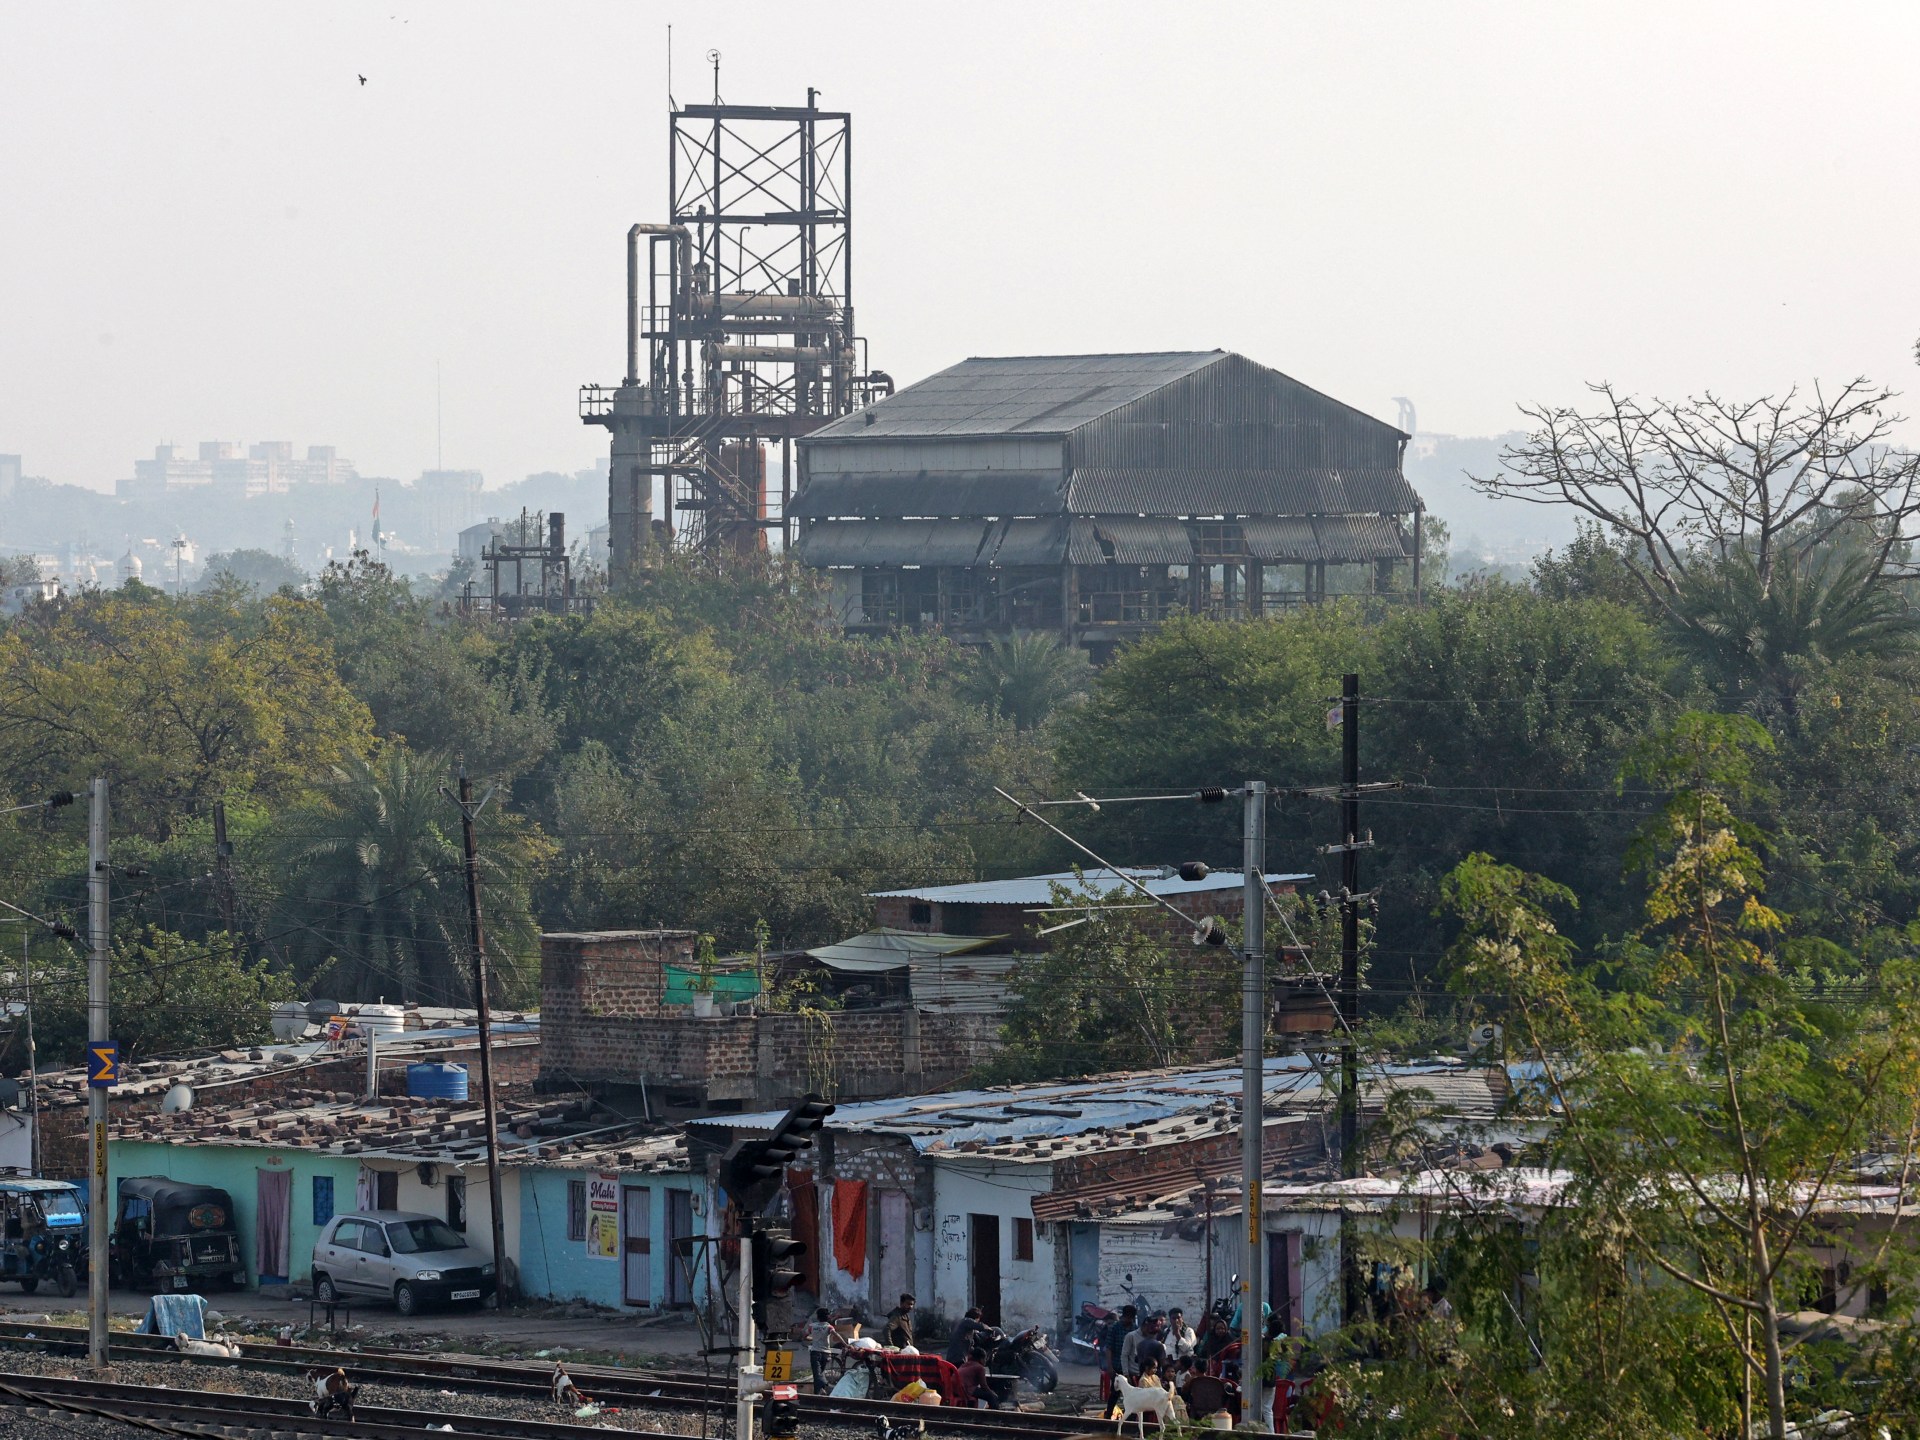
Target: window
1022	1238
576	1209
457	1202
422	1237
920	913
346	1235
322	1199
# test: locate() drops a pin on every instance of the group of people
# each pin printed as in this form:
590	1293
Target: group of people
1159	1349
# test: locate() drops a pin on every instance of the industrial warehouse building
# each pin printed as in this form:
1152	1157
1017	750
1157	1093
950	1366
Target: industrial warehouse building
1094	496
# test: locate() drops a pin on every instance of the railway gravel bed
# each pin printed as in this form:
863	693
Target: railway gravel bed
382	1393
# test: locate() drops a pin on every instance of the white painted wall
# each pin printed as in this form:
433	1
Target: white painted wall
1028	1288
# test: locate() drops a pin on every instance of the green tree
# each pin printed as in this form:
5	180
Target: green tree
176	702
171	996
366	893
1025	678
1710	1088
251	569
1109	994
1759	643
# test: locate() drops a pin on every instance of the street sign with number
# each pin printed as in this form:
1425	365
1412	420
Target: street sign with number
779	1365
103	1066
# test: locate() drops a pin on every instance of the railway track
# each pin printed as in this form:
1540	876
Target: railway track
219	1413
624	1388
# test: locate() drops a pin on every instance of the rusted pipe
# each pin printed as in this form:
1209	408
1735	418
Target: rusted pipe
683	269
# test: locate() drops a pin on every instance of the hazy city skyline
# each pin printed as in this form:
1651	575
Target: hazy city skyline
215	231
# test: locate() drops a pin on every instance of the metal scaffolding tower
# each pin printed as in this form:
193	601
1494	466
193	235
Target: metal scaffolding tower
740	328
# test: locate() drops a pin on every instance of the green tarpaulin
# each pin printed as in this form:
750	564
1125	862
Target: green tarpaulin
727	987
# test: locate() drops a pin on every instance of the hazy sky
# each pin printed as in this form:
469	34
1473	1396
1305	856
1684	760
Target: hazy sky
209	228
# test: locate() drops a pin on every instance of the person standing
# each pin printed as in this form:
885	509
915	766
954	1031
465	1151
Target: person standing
1111	1344
820	1337
1180	1336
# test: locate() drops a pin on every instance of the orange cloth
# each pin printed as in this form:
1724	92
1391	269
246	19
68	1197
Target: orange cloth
850	1226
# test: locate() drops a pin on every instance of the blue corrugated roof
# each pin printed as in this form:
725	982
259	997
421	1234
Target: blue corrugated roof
1038	889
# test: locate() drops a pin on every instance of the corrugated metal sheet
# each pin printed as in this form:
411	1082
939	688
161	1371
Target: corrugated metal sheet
1352	538
890	542
1283	539
1034	394
1132	541
1097	490
930	492
962	983
1027	542
1038	889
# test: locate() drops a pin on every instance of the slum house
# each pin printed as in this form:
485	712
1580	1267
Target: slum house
914	1004
264	1073
1002	1197
586	1196
1094	496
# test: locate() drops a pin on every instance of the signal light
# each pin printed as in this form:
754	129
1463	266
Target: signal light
775	1253
752	1169
782	1420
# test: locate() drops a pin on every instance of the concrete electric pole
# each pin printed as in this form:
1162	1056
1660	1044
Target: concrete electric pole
99	890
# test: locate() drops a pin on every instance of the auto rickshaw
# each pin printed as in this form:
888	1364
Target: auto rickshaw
174	1236
42	1234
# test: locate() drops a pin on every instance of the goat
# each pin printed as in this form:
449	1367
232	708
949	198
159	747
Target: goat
564	1391
219	1345
331	1392
1135	1401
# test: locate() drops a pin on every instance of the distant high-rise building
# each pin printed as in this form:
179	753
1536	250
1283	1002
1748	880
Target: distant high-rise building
265	468
449	499
9	476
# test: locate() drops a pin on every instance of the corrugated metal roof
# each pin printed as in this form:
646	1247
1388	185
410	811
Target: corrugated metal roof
1107	490
1038	889
945	492
1026	542
1132	541
1079	1117
1359	537
890	542
1284	538
1018	394
962	982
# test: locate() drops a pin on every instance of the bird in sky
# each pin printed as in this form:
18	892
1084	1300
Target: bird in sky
363	79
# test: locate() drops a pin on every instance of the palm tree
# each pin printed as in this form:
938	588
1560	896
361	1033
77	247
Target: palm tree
1760	642
372	899
1026	677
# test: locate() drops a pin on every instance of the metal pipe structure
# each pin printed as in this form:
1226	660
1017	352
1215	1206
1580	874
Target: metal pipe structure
99	891
683	243
1353	1301
1253	873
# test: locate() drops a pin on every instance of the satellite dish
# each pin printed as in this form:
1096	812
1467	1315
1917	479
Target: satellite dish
1483	1037
179	1098
428	1172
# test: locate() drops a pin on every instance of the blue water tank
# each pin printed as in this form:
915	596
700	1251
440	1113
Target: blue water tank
437	1082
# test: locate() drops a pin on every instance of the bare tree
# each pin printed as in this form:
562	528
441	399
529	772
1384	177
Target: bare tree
1698	480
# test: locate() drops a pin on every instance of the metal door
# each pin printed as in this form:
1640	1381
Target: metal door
636	1243
376	1260
680	1227
337	1258
894	1273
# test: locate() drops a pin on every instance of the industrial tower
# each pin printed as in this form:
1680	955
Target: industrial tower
739	328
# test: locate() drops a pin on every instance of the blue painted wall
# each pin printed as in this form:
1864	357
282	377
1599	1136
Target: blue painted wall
562	1269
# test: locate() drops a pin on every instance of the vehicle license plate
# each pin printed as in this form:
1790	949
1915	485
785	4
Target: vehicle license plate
466	1294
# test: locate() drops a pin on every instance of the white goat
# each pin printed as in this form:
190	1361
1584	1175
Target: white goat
1135	1401
221	1345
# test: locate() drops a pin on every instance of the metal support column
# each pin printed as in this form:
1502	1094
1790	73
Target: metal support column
1353	1298
502	1289
749	1369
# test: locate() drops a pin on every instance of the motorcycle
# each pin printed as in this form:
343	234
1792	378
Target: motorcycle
1014	1358
1089	1325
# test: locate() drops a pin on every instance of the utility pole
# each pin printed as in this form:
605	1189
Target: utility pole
1353	1300
478	941
223	865
99	883
1253	1016
33	1055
